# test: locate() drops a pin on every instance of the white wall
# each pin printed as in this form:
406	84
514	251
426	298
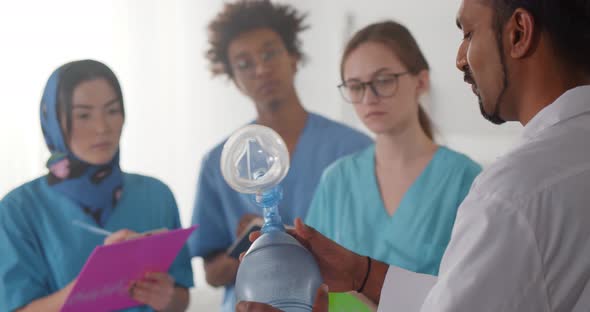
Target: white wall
175	111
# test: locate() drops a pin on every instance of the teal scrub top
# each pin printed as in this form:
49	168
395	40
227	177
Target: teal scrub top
41	251
348	208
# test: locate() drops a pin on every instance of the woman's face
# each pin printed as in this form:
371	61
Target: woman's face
397	107
97	121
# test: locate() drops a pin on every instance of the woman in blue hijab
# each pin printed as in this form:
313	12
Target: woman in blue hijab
82	116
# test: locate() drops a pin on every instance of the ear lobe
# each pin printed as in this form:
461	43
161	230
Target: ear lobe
423	82
294	61
294	64
521	33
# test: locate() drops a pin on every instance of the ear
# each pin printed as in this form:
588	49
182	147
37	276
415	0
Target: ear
423	85
237	84
521	30
294	62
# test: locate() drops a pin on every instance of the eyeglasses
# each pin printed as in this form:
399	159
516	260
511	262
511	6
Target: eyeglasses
246	66
383	86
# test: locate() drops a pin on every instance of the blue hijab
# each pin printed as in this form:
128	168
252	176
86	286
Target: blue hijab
96	188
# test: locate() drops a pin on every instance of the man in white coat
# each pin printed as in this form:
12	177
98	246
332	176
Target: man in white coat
521	241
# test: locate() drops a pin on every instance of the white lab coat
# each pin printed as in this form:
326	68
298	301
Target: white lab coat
521	240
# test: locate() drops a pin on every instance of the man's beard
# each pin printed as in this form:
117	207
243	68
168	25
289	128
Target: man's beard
271	106
274	105
494	117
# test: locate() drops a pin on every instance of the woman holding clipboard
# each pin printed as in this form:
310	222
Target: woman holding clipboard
82	116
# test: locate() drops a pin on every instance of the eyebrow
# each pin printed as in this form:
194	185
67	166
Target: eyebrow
266	44
381	70
111	102
107	104
82	106
240	55
375	73
269	43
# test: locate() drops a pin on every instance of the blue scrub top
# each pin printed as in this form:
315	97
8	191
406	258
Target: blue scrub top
218	208
41	251
348	208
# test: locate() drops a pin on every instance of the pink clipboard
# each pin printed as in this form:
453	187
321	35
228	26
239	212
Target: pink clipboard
103	283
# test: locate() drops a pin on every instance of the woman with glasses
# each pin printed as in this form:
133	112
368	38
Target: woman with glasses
396	200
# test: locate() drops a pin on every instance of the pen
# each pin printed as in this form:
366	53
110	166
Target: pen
91	228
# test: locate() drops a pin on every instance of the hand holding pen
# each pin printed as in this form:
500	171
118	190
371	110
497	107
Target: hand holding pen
115	237
155	289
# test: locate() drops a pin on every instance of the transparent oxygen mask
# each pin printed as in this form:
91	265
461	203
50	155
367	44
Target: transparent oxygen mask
254	161
276	269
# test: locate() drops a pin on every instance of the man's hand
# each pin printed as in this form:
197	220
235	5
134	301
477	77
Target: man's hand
342	269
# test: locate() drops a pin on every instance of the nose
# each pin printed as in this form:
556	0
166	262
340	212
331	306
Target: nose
461	61
102	124
370	97
262	68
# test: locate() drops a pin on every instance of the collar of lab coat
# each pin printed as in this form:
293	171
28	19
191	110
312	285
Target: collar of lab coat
572	103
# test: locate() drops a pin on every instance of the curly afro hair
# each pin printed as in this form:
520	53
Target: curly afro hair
247	15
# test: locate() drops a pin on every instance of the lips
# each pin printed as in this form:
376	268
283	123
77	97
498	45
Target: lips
469	79
267	87
102	145
374	114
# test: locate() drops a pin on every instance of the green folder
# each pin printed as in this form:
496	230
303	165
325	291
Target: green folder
343	302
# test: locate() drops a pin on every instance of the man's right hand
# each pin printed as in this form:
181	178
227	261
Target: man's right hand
342	270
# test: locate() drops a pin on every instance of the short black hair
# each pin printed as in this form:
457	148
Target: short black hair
74	73
246	15
567	22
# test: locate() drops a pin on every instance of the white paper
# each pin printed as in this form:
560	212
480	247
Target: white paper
404	290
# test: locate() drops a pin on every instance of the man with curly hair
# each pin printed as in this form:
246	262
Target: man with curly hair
256	45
